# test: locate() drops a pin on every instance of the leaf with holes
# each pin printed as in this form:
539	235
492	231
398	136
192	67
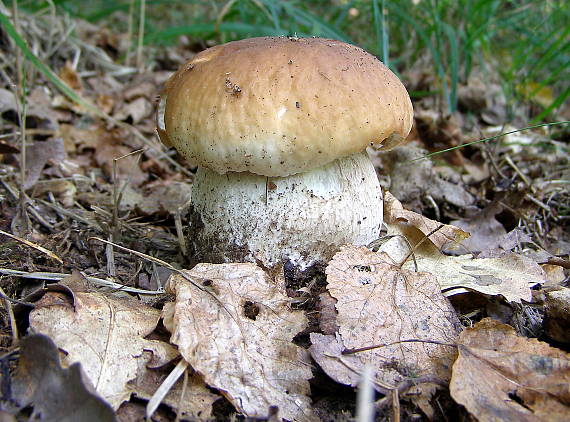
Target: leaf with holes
236	331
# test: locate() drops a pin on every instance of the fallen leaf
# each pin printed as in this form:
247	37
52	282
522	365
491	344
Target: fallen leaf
484	229
108	146
8	149
166	198
136	110
63	189
379	304
57	394
489	239
236	330
327	313
440	131
500	376
105	334
7	101
511	275
439	234
38	155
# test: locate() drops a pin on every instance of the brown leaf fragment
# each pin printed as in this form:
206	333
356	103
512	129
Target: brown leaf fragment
71	77
196	404
557	314
105	334
327	313
402	311
56	393
326	350
237	333
135	111
501	376
165	198
39	154
439	234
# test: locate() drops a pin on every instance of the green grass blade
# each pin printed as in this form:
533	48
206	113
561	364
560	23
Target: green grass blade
43	68
555	104
453	64
565	122
241	29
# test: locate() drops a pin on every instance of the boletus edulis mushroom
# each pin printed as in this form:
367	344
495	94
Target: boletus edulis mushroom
279	127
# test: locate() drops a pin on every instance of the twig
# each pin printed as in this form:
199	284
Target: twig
182	395
33	245
561	262
21	108
38	275
412	251
179	272
406	385
378	346
165	387
130	32
365	397
519	173
10	311
178	225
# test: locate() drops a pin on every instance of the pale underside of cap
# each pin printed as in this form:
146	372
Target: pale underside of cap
280	106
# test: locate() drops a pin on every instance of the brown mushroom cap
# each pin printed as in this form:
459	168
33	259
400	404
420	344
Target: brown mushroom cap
280	106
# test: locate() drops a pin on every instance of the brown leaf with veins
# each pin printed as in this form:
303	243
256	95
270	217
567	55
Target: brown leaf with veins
237	332
105	334
501	376
380	304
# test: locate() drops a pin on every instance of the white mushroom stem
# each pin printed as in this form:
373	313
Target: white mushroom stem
303	218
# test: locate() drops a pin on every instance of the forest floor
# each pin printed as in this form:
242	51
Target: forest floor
88	178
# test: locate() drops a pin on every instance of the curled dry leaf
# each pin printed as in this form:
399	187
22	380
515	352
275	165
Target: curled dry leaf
105	334
501	376
236	332
380	304
439	234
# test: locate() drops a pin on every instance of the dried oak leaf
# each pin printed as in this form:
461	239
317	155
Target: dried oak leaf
501	376
105	334
236	332
439	234
56	393
381	304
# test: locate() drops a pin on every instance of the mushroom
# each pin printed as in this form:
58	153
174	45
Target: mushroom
278	127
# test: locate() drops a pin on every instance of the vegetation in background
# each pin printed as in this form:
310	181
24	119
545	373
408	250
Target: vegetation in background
526	41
